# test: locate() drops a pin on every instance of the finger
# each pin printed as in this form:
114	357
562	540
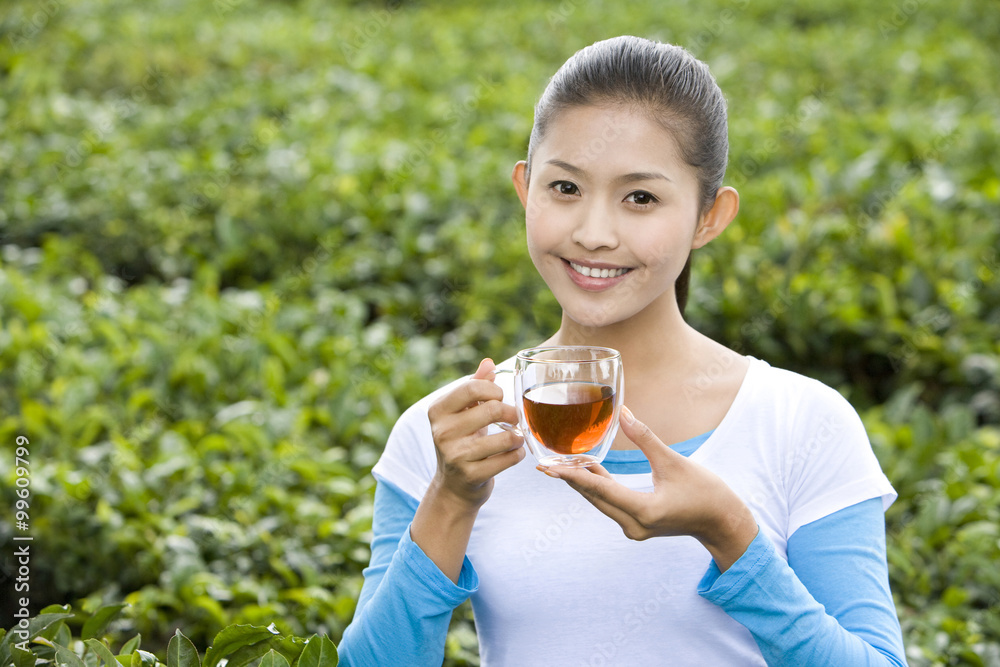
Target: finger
598	469
476	473
472	450
659	455
468	423
481	448
480	416
497	463
466	394
502	455
603	490
480	388
485	370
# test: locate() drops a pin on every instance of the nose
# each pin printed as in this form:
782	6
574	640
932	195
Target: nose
596	228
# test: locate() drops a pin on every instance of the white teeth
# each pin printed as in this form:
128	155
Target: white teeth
596	273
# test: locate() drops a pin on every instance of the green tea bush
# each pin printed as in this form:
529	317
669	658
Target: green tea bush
239	238
48	638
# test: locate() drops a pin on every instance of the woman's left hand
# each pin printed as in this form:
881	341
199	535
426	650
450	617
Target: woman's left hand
687	499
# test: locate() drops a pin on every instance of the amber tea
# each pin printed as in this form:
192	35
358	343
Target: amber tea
569	417
568	398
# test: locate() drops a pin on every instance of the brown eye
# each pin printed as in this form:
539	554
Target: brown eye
641	198
565	188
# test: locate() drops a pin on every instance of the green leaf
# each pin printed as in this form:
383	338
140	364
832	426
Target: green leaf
131	645
43	622
145	658
62	636
319	652
181	652
65	656
274	659
56	609
96	624
101	650
235	637
36	626
22	658
290	647
244	655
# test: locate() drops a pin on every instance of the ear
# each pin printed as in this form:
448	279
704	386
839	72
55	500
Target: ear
715	220
520	178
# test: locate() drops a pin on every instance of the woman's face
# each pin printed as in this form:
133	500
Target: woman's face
611	212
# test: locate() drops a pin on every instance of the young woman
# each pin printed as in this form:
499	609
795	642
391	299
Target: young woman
757	537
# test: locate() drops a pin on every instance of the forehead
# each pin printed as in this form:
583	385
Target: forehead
611	138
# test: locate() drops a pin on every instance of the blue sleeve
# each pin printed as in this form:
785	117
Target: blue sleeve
406	601
829	604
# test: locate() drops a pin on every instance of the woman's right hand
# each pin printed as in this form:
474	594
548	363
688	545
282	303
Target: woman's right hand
468	458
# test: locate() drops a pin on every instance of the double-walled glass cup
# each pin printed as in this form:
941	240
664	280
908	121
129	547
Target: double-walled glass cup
568	399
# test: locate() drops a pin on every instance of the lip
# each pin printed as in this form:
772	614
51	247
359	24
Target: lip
590	283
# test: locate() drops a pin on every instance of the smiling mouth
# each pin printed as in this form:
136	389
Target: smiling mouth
594	272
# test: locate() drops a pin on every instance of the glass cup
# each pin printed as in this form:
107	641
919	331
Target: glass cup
568	399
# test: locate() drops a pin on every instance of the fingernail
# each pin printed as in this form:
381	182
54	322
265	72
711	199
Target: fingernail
627	414
547	471
484	364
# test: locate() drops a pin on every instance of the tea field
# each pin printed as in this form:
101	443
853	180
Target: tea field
239	237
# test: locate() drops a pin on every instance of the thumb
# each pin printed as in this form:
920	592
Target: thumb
643	436
485	370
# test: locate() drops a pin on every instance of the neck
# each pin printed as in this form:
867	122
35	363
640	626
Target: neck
653	341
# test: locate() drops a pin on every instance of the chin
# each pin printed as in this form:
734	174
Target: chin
595	317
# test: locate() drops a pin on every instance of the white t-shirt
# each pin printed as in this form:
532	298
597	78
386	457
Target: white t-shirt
561	585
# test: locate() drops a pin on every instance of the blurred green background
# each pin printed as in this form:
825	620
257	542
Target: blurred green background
239	237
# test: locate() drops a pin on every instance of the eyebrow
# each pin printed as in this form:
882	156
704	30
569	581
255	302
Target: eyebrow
623	179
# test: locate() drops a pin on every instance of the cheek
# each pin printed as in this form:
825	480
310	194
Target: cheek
658	251
540	253
543	230
536	240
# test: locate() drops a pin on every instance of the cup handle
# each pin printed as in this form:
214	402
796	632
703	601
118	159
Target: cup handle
504	425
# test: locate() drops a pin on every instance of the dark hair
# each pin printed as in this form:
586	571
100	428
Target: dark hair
665	81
